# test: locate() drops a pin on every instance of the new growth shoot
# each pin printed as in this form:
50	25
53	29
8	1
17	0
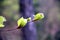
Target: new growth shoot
22	21
2	20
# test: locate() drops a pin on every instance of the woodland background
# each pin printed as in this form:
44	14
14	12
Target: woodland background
45	29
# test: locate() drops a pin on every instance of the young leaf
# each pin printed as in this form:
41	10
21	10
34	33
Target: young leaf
2	20
1	25
38	16
29	19
22	22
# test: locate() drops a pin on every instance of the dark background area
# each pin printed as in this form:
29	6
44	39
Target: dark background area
45	29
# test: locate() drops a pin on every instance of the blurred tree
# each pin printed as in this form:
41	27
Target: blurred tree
26	9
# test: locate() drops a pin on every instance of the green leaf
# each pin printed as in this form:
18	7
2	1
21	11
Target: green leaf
22	22
2	20
29	19
1	25
39	16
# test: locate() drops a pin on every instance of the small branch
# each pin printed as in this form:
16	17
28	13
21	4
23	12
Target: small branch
16	28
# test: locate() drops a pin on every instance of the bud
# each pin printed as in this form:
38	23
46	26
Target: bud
38	16
22	22
29	19
2	20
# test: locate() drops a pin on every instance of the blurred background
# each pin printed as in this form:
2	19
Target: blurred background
45	29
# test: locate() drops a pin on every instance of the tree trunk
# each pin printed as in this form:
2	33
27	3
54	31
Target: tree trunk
26	9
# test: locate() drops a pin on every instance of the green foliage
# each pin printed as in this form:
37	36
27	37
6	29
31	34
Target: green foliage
11	9
39	16
22	22
29	19
2	20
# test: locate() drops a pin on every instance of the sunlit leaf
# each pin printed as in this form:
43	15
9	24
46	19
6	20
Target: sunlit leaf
2	20
29	19
1	25
22	22
39	16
